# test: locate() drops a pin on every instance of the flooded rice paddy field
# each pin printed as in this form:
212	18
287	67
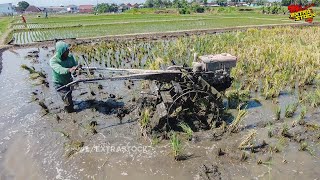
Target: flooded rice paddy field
102	139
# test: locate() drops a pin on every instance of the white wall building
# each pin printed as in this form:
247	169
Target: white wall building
6	9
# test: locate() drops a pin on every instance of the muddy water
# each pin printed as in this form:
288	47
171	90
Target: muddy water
36	146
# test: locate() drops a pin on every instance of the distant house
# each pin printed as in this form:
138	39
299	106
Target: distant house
56	9
86	9
122	8
130	6
135	5
32	9
6	9
209	5
72	9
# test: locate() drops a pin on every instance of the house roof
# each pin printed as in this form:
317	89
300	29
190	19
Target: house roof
86	7
32	9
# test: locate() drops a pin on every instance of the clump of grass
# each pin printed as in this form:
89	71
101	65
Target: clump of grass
234	127
305	147
285	130
314	98
278	113
247	141
290	110
303	112
176	145
281	144
270	130
186	128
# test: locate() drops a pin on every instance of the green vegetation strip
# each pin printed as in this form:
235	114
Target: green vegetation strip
143	27
270	60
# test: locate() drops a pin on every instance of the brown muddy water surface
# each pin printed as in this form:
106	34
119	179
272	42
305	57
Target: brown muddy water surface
35	145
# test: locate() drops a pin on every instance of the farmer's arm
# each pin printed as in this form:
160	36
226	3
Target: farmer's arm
58	68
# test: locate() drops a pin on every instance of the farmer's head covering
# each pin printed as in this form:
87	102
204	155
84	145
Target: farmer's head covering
61	47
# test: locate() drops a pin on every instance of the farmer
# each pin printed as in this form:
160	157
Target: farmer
23	19
63	64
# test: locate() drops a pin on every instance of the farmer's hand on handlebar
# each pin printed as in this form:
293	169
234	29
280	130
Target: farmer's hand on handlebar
73	69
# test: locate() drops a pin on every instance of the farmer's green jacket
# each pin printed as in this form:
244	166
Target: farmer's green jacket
61	74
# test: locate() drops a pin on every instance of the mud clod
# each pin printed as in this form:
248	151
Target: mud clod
209	172
220	152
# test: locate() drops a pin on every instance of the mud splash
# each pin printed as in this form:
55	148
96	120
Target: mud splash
94	143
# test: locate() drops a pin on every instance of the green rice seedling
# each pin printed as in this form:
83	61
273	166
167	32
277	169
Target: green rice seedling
145	118
234	126
235	97
176	145
247	141
281	144
303	112
30	70
34	76
278	113
244	156
314	98
270	130
285	130
186	128
154	141
305	147
290	110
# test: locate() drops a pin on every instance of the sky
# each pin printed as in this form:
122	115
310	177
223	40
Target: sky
69	2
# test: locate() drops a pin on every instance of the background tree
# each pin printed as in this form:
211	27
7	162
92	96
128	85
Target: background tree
23	5
302	2
149	4
285	2
104	8
316	2
261	2
222	2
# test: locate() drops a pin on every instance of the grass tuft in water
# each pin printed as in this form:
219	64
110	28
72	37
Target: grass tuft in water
176	145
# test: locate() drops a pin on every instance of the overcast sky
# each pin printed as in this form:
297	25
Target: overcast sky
68	2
